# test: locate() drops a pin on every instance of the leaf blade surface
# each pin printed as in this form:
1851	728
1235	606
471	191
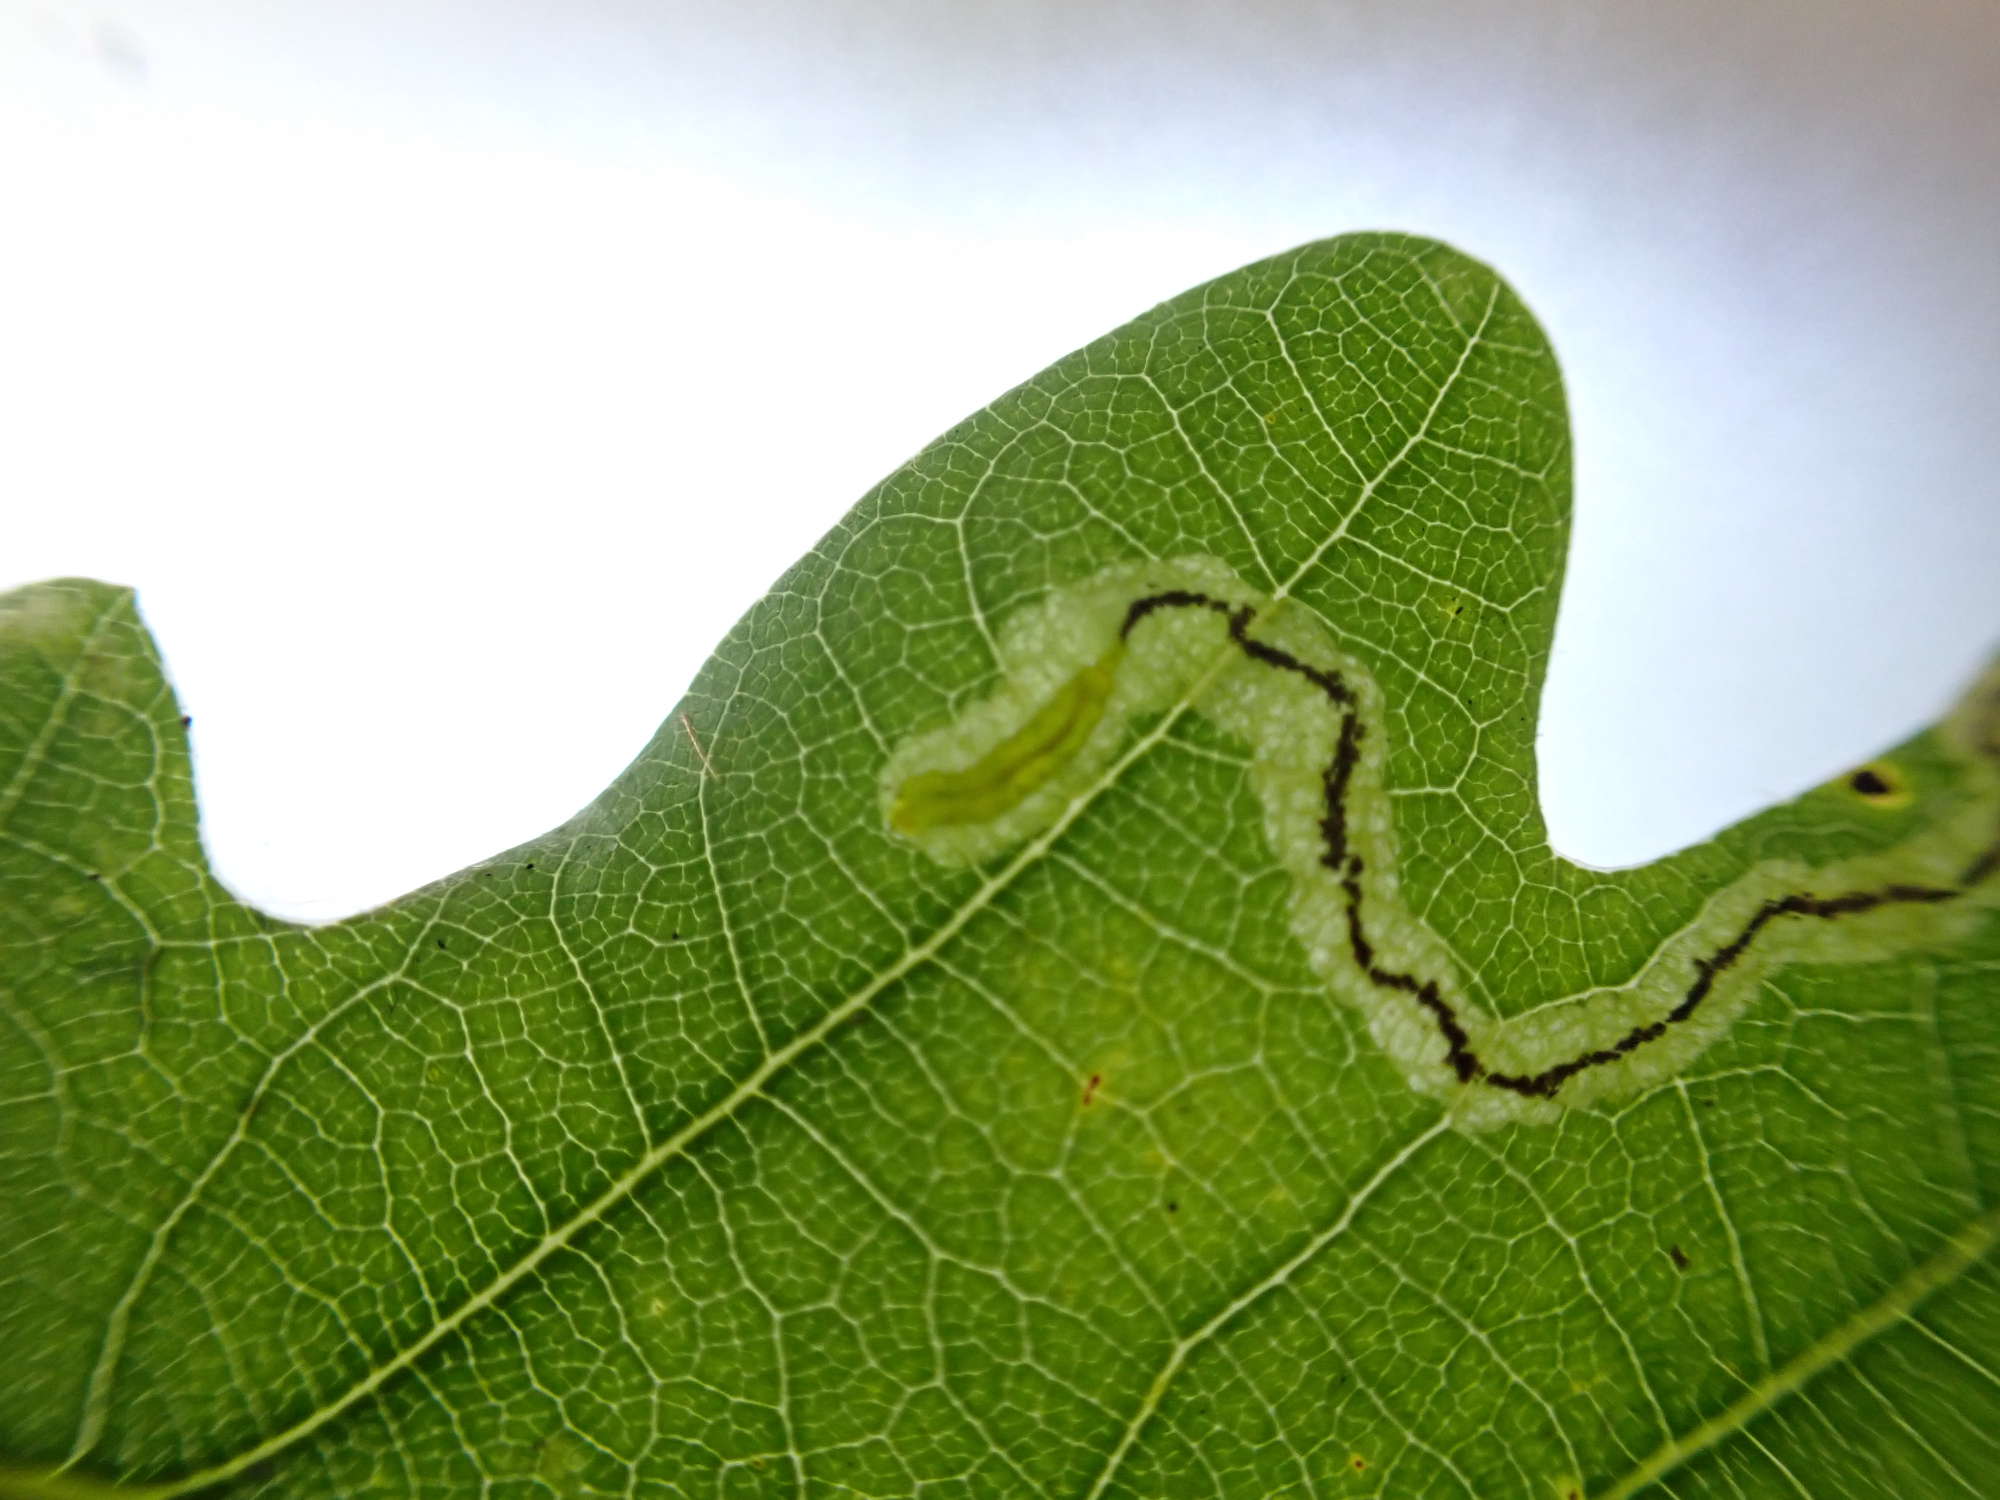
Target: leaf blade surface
722	1141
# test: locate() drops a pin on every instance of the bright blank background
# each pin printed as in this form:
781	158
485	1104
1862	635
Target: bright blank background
448	376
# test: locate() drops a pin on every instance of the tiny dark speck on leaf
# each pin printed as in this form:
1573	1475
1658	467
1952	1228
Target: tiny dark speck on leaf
674	936
1868	782
187	720
1090	1089
531	864
94	875
440	942
1678	1257
1173	1207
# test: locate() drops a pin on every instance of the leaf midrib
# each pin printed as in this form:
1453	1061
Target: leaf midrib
753	1086
1964	1249
655	1157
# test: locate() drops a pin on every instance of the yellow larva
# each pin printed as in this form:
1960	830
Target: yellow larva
1025	760
1083	672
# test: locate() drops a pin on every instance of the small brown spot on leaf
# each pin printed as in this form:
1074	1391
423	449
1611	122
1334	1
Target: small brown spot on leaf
1090	1089
1678	1257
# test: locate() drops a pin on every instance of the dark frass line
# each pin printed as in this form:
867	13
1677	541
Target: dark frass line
1337	779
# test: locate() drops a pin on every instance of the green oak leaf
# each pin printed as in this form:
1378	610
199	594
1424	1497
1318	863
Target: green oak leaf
1077	1001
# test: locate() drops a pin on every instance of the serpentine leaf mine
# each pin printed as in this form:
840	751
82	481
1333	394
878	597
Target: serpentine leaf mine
1157	640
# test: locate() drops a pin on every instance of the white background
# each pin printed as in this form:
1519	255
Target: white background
448	377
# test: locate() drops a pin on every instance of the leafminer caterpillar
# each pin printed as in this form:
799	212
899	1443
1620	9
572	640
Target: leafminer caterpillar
1149	641
1025	760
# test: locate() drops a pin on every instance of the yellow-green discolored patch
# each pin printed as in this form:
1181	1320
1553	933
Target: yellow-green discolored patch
560	1462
